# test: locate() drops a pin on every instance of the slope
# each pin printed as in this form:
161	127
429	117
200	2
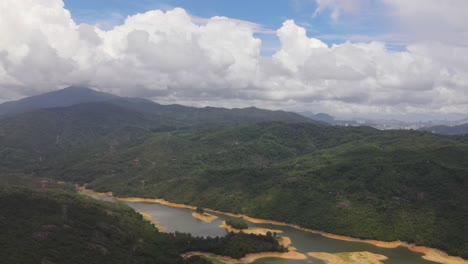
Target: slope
58	226
65	97
359	182
353	181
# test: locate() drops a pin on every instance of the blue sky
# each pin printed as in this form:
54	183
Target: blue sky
417	67
371	23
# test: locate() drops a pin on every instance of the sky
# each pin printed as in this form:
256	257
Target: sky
268	15
363	58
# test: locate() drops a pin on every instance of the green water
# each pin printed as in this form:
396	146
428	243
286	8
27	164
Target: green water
176	219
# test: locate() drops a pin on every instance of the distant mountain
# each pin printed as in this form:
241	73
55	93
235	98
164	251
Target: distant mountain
47	131
323	117
447	130
175	115
66	97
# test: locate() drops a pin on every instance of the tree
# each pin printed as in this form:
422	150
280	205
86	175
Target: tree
200	210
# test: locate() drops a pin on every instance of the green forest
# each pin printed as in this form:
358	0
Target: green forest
355	181
237	223
59	226
359	182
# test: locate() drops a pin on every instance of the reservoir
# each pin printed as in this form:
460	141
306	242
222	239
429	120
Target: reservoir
180	219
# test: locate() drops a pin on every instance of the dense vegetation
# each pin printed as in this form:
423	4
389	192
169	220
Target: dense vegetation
197	260
232	245
57	226
351	181
237	223
361	182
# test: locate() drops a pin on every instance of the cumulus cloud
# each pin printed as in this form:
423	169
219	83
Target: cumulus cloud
176	58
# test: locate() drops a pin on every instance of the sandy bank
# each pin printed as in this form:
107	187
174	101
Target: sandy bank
251	230
249	258
159	201
254	220
429	253
349	257
205	217
286	242
438	256
148	217
93	193
382	244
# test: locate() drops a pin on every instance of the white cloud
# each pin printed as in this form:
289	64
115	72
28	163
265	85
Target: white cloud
431	20
174	57
338	8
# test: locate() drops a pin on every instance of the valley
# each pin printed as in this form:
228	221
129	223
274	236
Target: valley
305	245
356	182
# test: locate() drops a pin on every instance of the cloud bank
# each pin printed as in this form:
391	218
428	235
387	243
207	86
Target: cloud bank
172	57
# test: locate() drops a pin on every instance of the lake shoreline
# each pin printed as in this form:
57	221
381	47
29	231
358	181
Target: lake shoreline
156	223
250	230
349	257
430	254
252	257
249	258
205	217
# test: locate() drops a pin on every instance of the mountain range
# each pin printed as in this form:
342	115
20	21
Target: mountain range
355	181
159	114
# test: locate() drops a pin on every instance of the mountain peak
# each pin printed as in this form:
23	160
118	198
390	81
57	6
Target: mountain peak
68	96
77	88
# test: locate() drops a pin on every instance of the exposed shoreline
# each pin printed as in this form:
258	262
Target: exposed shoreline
436	255
431	254
250	230
205	217
249	258
349	257
156	223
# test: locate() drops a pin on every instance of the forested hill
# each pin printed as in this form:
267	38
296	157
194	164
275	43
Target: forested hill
57	226
357	181
360	181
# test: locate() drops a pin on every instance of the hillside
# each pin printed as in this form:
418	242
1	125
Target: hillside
66	97
356	181
352	181
362	183
31	140
58	226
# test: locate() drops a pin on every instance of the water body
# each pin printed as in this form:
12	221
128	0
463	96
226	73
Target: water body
177	219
